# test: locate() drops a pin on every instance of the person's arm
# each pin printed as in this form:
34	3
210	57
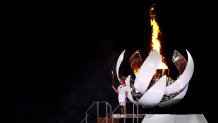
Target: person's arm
115	89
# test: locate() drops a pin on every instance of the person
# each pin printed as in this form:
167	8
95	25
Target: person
122	94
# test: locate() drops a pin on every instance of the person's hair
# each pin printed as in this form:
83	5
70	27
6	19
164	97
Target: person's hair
122	77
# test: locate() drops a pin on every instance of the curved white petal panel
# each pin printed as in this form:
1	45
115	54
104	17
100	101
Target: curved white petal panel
147	71
174	100
127	81
182	81
119	61
154	95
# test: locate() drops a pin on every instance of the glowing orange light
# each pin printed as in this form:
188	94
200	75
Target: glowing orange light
155	44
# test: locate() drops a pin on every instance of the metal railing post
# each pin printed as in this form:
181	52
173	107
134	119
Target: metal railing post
86	118
113	113
137	112
124	120
106	112
110	111
97	110
133	112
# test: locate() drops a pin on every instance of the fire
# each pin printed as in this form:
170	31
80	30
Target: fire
155	44
136	61
135	71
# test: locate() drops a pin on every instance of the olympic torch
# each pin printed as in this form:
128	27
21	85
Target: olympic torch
112	73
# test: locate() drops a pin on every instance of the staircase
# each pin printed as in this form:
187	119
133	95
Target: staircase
95	114
101	112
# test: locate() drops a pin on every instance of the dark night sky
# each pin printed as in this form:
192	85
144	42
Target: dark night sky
58	56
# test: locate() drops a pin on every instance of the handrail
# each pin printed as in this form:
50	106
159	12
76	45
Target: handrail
110	108
115	109
133	113
104	118
107	104
90	107
118	106
83	120
109	112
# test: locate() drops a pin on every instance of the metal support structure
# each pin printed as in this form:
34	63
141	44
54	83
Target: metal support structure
86	118
124	120
133	113
106	113
112	119
110	108
111	113
137	113
97	110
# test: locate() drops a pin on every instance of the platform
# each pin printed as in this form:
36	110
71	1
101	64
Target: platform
117	118
174	118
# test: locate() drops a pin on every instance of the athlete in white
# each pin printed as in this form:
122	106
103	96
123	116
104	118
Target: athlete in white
122	94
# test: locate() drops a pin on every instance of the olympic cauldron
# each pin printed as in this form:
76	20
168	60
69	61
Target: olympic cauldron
153	87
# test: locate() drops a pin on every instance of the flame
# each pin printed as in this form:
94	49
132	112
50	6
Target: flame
155	44
136	70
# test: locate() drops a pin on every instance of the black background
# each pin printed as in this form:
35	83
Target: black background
57	57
